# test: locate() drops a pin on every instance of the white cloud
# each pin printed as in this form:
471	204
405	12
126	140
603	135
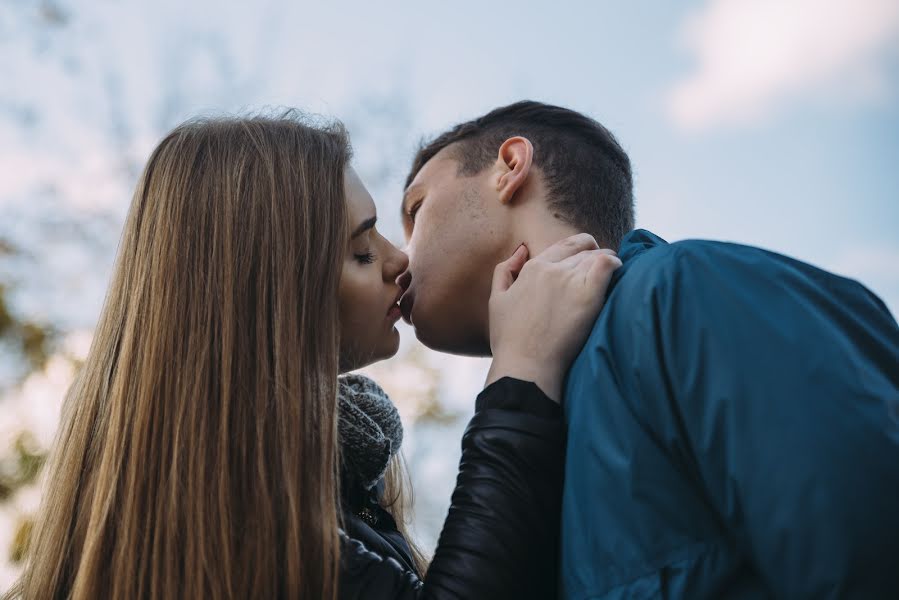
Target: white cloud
754	54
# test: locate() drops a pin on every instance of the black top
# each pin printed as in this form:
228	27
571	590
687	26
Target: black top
500	538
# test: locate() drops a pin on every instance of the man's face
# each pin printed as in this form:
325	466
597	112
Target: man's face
456	235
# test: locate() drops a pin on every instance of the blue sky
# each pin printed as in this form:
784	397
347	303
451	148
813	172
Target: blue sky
765	122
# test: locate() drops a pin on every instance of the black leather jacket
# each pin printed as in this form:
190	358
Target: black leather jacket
500	538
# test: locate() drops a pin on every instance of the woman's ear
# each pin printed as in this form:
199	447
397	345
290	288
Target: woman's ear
513	164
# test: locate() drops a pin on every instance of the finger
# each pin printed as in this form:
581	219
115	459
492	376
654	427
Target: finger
600	270
505	272
568	247
573	261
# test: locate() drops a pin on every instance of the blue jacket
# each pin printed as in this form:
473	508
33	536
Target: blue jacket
733	432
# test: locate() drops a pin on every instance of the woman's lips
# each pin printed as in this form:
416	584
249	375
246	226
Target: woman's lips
394	311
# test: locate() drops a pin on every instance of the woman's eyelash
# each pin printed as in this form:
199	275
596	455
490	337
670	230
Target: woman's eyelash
366	258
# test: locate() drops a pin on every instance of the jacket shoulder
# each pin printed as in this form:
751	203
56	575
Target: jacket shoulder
366	574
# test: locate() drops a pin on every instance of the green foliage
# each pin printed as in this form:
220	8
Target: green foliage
21	540
6	319
34	339
21	466
31	339
22	461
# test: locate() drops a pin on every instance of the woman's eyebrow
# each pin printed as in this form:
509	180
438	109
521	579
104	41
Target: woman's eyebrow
363	227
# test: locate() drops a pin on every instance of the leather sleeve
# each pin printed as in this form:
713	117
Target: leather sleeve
500	538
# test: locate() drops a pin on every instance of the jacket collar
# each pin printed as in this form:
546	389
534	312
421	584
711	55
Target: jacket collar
637	242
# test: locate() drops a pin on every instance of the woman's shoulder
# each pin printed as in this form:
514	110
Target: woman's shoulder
374	527
366	574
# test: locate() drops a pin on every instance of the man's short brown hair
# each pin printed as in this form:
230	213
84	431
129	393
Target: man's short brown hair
587	173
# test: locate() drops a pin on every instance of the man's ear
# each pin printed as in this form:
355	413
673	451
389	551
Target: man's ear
513	164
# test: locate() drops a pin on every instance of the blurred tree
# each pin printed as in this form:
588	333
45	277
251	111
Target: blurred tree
28	344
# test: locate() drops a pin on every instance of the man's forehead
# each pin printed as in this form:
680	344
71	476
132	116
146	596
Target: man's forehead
438	171
438	166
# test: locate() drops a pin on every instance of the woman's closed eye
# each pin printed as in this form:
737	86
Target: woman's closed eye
366	258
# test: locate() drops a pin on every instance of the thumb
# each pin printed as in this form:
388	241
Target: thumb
505	273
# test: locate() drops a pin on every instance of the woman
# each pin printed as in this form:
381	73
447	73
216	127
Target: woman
198	451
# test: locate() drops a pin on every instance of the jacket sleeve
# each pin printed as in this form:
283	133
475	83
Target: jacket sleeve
776	387
500	537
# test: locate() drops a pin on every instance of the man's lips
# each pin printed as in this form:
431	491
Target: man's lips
406	303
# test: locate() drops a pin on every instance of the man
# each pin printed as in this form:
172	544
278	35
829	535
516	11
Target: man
734	415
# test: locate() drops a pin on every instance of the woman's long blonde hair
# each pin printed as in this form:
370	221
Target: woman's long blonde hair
197	454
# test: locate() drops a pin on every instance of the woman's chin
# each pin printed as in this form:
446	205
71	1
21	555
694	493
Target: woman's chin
393	344
388	348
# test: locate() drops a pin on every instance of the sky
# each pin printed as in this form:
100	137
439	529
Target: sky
766	122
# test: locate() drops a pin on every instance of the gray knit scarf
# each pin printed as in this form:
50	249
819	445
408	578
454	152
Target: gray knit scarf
369	427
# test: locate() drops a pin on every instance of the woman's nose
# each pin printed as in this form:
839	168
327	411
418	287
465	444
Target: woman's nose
397	265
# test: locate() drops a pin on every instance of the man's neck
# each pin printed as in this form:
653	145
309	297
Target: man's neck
542	230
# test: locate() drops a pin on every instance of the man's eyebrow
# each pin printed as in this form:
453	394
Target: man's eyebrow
363	227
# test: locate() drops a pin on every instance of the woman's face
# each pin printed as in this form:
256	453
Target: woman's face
369	292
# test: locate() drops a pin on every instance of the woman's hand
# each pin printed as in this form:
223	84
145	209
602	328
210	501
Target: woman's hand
542	310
